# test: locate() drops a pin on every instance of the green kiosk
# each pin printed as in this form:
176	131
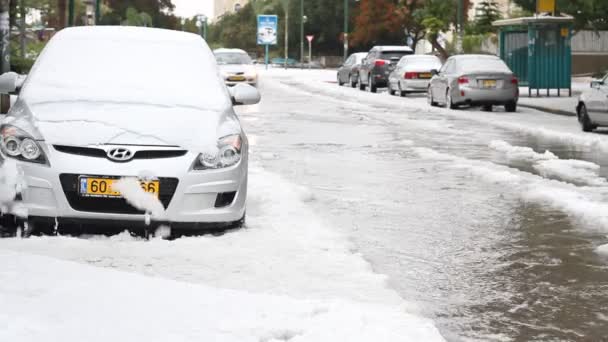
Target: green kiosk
538	51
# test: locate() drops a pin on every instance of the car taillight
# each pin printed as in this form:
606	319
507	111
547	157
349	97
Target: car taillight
379	62
514	81
410	75
463	80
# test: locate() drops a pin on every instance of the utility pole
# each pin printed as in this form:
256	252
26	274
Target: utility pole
22	28
345	29
301	31
286	2
461	10
97	12
71	12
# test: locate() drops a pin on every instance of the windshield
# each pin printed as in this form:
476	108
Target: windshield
127	68
482	64
232	58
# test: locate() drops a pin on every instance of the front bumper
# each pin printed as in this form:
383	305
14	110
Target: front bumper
194	200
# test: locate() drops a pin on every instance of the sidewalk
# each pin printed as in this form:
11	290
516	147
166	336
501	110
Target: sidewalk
563	105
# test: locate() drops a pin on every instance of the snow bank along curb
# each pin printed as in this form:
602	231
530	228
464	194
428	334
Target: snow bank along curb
547	109
49	300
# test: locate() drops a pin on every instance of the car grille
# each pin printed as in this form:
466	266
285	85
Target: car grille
69	183
100	153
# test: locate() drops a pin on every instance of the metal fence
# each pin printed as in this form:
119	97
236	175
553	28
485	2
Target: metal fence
590	42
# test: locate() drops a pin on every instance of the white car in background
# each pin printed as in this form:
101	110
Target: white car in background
155	146
592	107
236	67
413	74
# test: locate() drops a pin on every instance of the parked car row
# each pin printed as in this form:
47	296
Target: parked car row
471	80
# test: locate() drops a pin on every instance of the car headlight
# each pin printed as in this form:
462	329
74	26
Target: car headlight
17	144
228	154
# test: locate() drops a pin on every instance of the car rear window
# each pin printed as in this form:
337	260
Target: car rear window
482	64
394	54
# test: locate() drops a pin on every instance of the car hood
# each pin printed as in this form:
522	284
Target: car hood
234	68
84	124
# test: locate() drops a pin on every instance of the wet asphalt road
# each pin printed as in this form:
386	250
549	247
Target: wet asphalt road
481	261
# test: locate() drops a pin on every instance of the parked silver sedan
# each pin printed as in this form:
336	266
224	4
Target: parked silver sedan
412	74
592	108
349	71
474	80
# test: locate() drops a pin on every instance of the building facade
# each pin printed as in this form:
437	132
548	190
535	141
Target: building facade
222	7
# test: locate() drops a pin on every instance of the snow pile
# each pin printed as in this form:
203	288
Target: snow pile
602	250
130	189
550	166
49	300
519	153
573	171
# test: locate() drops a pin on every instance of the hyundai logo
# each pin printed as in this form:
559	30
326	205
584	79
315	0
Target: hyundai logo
120	154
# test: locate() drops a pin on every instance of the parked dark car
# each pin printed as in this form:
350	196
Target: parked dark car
379	63
349	71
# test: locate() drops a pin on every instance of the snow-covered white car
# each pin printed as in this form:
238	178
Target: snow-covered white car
592	107
130	125
236	67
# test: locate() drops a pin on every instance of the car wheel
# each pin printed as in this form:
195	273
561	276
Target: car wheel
361	85
487	108
402	93
583	119
353	81
449	103
511	107
372	86
429	96
8	225
340	83
390	90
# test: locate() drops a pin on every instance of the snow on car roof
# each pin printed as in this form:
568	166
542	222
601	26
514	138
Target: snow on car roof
127	64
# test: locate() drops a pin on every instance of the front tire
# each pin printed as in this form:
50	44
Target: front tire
340	83
390	90
584	120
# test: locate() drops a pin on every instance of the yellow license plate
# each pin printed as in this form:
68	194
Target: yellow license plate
425	75
102	187
236	78
489	83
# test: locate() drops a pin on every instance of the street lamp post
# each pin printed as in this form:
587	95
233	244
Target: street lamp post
461	10
97	12
345	29
202	20
301	31
71	12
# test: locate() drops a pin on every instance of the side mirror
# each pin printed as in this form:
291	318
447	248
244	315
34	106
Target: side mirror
9	82
435	72
244	94
597	83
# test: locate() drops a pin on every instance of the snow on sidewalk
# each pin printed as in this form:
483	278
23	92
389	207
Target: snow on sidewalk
44	299
286	258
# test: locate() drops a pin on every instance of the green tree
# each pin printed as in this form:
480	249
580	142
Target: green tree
487	13
438	16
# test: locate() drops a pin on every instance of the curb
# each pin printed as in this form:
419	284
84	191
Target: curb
548	110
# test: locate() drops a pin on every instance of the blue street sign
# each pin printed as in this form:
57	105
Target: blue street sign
267	29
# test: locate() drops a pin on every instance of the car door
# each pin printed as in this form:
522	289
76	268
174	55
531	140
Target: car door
343	72
366	67
440	82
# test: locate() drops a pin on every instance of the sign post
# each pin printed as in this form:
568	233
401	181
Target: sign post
267	32
310	38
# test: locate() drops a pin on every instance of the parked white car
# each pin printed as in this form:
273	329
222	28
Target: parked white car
592	108
413	74
236	67
108	107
